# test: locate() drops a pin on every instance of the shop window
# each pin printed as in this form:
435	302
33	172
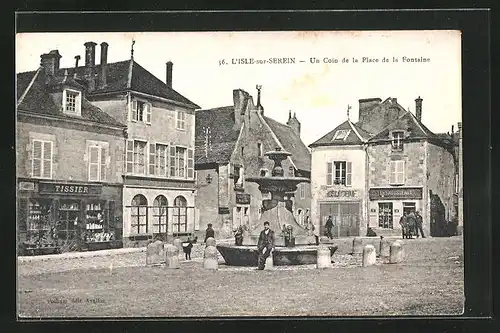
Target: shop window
179	218
397	176
139	214
39	227
41	166
68	219
160	215
397	140
339	173
98	220
385	215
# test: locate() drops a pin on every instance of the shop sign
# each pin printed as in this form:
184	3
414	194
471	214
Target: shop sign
243	198
69	189
223	210
395	193
341	193
26	186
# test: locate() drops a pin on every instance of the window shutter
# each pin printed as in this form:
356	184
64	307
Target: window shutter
94	163
152	155
172	161
147	106
190	164
329	172
134	110
401	172
393	172
104	156
37	159
47	159
129	158
348	174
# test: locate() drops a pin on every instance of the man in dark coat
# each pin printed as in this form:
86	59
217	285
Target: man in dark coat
419	222
209	232
265	245
404	224
329	226
411	221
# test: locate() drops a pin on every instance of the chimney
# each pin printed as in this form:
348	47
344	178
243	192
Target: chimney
50	63
365	106
168	80
89	64
239	100
104	65
418	108
289	115
294	123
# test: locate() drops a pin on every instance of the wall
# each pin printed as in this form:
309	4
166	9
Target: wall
207	202
320	157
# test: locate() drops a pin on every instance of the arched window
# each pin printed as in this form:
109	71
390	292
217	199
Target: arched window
139	214
179	223
160	215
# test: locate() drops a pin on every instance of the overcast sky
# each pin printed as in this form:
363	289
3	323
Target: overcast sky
318	93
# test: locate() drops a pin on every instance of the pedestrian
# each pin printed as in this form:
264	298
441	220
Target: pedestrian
419	221
209	232
329	226
411	221
238	236
404	224
187	248
265	245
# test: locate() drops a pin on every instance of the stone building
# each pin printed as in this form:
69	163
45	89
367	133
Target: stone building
68	164
230	146
407	167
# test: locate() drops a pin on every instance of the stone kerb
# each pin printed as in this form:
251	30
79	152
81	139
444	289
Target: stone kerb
155	253
369	255
396	252
210	258
210	241
171	256
324	259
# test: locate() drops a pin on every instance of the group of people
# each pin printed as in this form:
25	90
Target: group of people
411	224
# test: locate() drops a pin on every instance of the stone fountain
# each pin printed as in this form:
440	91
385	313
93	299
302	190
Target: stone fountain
295	245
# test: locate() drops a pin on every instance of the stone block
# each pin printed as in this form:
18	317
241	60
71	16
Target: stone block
396	252
385	245
210	241
155	253
357	246
171	256
210	258
178	244
324	258
369	255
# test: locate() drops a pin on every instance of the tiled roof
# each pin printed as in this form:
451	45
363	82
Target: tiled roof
117	79
38	100
223	135
408	122
301	155
352	138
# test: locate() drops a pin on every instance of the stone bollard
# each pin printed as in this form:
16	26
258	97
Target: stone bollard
154	253
357	246
178	245
396	252
210	241
369	255
210	258
171	256
269	264
385	245
324	259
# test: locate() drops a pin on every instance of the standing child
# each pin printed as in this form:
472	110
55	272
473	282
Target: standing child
187	248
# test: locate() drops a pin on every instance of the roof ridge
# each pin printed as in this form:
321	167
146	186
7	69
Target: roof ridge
29	86
418	123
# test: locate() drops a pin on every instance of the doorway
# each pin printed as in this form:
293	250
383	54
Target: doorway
345	216
408	207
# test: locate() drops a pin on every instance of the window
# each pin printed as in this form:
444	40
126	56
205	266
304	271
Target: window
181	120
160	158
160	215
341	135
302	191
242	151
180	214
397	140
385	219
260	151
72	102
139	157
339	173
141	111
181	162
139	214
397	176
41	166
97	163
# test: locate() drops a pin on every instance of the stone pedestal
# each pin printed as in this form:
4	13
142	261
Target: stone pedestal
324	259
154	253
210	241
210	260
357	246
369	255
178	245
171	256
385	246
396	252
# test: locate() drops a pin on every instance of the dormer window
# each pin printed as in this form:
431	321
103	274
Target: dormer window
397	140
341	135
72	102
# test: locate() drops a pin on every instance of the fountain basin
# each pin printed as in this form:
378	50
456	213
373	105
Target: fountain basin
245	255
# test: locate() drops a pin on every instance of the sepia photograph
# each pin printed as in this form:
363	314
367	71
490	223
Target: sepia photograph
239	174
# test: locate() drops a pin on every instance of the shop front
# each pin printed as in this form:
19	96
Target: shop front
55	217
345	208
387	205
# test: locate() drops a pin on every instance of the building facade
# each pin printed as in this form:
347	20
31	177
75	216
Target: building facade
68	165
230	146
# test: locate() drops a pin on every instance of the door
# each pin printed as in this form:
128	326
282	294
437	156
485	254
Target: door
345	216
408	207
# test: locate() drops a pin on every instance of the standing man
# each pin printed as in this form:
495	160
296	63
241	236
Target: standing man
329	226
411	221
265	245
404	224
419	221
209	232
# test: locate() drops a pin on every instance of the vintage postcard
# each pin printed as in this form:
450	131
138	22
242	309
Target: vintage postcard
223	174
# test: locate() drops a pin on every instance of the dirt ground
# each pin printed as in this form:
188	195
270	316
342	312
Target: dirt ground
428	282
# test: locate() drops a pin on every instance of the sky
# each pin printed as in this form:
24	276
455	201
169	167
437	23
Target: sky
319	93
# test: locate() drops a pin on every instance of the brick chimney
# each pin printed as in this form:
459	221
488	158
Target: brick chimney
104	65
418	108
168	80
50	63
90	64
